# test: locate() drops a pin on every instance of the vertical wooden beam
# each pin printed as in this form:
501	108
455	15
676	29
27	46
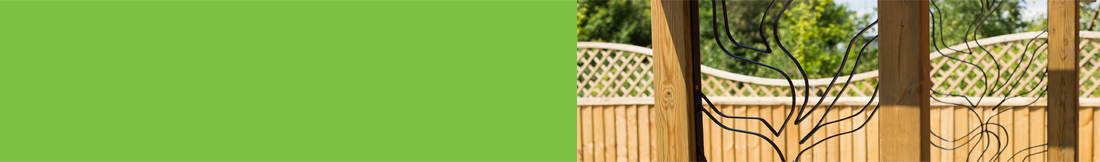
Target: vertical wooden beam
676	78
904	81
1062	90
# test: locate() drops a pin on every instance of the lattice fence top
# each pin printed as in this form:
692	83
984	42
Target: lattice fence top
608	70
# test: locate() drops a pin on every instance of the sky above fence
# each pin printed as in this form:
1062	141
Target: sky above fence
1033	8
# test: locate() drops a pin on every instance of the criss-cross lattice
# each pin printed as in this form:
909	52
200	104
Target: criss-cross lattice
604	72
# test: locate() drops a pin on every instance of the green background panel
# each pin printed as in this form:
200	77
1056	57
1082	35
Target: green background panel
286	81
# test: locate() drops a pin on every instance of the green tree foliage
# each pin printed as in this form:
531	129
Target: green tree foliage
616	21
814	32
959	16
817	33
744	26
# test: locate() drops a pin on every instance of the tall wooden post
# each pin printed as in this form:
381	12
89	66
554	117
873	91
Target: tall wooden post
676	78
1062	89
904	81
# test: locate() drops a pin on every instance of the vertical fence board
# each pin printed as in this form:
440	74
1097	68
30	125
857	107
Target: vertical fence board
947	115
1006	118
1095	136
987	114
962	117
652	133
730	151
580	136
859	147
971	124
740	139
753	126
804	130
820	151
1085	145
766	149
717	144
778	113
792	138
832	148
621	151
936	124
1038	132
632	133
586	123
598	129
846	140
609	130
1022	126
873	149
707	140
644	152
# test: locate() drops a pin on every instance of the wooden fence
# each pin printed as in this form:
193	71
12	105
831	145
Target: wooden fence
615	108
623	133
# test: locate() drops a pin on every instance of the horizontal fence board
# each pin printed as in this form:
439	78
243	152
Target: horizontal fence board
843	101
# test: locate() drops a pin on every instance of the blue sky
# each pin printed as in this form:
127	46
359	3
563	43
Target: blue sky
1033	8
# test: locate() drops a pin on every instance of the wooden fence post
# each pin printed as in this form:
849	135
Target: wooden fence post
1063	90
675	79
904	81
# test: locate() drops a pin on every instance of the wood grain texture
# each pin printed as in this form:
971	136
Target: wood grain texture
937	154
621	149
1022	136
1096	135
1085	143
1063	87
598	133
653	133
859	147
874	151
1038	136
718	145
793	148
586	123
676	78
904	80
778	114
962	117
729	151
632	133
948	128
1023	123
1006	119
708	147
643	133
987	115
580	136
845	140
766	150
753	141
821	150
832	145
740	140
610	131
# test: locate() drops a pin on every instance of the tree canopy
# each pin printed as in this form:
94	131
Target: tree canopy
817	33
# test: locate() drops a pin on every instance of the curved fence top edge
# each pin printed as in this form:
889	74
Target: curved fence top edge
825	81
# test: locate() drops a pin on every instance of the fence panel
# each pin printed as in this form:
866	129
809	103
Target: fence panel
600	140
